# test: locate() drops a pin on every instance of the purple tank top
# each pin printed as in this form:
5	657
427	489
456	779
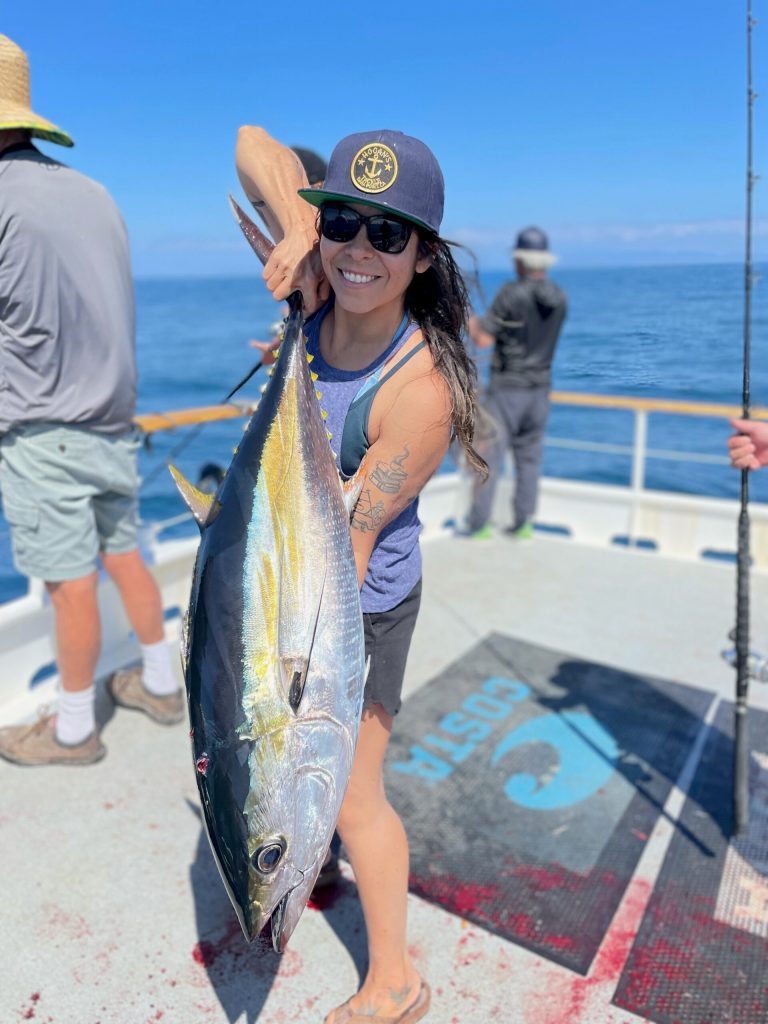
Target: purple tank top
394	567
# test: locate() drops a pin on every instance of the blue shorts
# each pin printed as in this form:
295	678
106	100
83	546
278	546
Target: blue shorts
68	494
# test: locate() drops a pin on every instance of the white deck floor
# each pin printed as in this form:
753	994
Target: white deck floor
108	887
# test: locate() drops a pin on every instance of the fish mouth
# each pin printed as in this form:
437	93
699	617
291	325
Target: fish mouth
277	924
288	911
272	925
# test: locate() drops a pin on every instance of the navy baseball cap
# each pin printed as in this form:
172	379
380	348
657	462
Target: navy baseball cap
532	248
532	239
389	170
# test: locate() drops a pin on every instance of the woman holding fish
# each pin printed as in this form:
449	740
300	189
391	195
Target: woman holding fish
387	309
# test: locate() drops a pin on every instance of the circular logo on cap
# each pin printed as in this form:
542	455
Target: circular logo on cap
374	168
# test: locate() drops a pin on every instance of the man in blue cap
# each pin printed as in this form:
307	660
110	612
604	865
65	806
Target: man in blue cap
523	324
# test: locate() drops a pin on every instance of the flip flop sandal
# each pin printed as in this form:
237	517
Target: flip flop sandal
410	1015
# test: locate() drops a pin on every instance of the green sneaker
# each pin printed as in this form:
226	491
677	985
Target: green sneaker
524	532
484	533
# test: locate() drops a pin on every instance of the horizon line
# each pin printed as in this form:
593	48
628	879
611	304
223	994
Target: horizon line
507	269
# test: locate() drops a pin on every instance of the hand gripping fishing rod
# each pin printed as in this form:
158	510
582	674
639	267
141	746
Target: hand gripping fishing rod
741	725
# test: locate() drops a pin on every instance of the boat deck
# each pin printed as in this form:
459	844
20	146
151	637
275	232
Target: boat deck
114	912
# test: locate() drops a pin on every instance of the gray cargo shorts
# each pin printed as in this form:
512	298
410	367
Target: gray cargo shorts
68	494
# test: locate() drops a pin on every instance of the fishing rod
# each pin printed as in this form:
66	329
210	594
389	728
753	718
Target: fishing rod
741	726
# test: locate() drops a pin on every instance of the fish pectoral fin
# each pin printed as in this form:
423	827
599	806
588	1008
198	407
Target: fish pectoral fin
294	668
203	507
294	675
351	488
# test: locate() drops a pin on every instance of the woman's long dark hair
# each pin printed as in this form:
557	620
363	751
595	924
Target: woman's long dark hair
439	302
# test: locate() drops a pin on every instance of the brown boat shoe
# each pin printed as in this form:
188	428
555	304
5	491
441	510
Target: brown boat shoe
344	1014
36	744
128	690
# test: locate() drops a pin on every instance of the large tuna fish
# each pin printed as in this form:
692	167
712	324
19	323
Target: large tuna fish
274	650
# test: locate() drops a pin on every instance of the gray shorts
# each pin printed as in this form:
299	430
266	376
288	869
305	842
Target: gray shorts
387	641
68	493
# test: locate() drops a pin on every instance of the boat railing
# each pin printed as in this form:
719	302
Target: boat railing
639	451
637	493
633	515
642	408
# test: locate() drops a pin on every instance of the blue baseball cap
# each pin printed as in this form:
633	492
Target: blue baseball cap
389	170
532	239
532	248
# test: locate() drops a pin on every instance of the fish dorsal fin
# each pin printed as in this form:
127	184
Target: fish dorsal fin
351	488
200	504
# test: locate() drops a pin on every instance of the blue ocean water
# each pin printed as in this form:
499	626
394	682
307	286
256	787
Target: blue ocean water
672	332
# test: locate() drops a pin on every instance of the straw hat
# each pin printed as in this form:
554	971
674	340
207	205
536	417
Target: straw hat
15	110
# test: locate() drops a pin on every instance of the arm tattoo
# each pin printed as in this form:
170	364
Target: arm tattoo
390	477
367	517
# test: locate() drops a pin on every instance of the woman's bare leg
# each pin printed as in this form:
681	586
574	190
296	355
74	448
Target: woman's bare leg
375	841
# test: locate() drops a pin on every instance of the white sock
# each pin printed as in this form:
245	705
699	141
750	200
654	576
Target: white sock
158	674
75	720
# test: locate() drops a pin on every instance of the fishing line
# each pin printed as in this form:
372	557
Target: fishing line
741	729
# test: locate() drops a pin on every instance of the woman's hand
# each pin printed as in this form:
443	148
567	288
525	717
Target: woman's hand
271	175
748	448
295	264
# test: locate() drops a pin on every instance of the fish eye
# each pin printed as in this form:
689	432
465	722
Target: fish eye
268	856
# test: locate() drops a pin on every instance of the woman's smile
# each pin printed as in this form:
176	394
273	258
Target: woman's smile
354	277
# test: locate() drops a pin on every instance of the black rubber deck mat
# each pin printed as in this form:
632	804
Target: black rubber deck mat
529	781
701	952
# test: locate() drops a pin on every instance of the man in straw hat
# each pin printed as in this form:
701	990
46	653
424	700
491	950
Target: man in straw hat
67	443
523	324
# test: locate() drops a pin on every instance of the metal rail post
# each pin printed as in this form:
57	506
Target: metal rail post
638	472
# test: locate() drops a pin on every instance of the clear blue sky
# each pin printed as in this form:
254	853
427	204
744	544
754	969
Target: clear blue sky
618	126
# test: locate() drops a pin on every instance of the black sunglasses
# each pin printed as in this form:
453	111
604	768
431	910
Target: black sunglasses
386	234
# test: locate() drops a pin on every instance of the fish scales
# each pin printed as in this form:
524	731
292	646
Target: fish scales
275	607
